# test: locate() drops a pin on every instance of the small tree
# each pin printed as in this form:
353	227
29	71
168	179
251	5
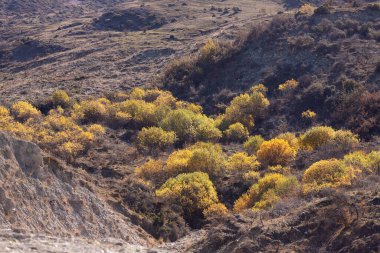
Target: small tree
154	139
276	152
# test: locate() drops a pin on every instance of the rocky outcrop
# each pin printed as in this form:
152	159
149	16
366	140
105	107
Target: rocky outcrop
40	195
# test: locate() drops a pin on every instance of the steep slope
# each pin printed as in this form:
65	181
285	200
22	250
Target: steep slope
39	195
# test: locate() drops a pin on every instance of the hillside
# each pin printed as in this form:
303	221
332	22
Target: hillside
189	126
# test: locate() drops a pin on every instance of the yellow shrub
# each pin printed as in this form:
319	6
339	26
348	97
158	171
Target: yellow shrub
279	169
288	85
154	139
345	139
327	173
207	131
267	192
215	210
253	144
70	149
142	113
290	138
178	162
91	110
97	130
237	132
369	163
194	192
209	51
23	111
137	93
244	108
316	137
241	161
309	114
259	88
60	98
306	9
276	152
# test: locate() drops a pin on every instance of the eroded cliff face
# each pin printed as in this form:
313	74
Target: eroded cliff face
40	195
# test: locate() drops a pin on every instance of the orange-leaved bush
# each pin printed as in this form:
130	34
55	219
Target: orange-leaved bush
276	152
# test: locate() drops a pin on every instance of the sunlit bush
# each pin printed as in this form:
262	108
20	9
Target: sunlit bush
155	139
244	108
190	126
137	94
327	173
91	110
308	114
276	152
237	132
288	85
97	130
368	163
267	192
60	98
345	139
215	211
23	111
290	138
316	137
253	144
194	192
142	113
241	161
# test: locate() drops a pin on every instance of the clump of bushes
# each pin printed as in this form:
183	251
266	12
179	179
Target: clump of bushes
153	139
267	192
276	152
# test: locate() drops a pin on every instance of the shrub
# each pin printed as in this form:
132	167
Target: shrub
154	139
241	161
327	173
245	108
181	122
267	192
215	210
306	9
316	137
190	126
309	114
91	110
117	118
288	85
345	139
193	191
23	111
290	138
96	130
142	113
276	152
369	163
205	157
137	94
237	132
60	98
253	144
